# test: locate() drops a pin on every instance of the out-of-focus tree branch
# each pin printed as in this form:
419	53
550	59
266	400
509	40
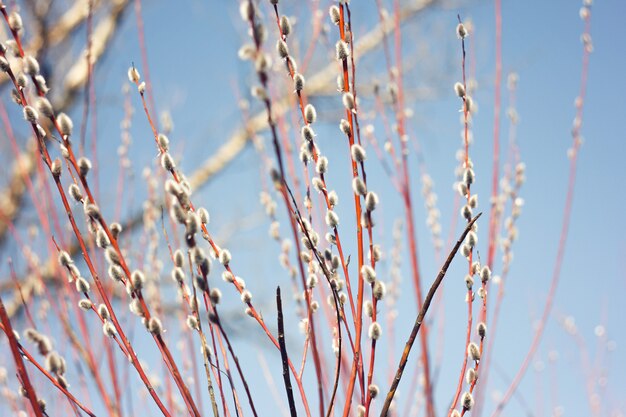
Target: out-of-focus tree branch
11	197
317	84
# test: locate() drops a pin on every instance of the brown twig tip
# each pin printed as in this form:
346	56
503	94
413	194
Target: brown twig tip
283	354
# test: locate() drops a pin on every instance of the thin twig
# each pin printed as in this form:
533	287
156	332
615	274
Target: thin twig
333	288
283	355
421	315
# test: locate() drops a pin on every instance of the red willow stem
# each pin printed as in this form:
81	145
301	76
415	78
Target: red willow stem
569	198
302	104
216	249
48	161
364	391
88	351
71	159
408	207
31	395
357	361
30	358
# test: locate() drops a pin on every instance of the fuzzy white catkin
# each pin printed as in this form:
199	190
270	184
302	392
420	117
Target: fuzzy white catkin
375	331
15	21
379	290
167	162
30	114
371	201
215	295
310	114
56	167
109	329
225	257
342	51
282	48
470	375
344	126
466	212
246	296
155	326
473	351
133	75
485	274
308	133
82	285
75	192
4	64
333	198
348	101
84	166
116	229
335	15
358	153
285	26
332	219
318	184
467	401
298	82
103	311
358	186
461	31
31	66
102	240
227	276
44	107
137	279
368	273
481	329
192	322
164	142
459	89
322	165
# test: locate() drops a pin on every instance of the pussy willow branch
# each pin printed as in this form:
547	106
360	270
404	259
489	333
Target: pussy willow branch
333	288
19	363
316	84
76	78
29	358
420	317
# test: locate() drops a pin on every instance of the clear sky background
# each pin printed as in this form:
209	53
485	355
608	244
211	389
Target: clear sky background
197	77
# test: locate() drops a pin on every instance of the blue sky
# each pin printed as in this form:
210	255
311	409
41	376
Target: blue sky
198	78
